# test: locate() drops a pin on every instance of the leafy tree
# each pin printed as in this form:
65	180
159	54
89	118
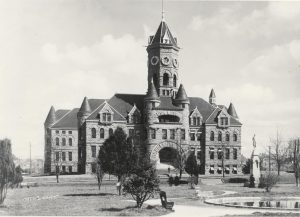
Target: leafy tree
117	155
143	182
18	176
247	166
191	167
7	168
295	158
179	160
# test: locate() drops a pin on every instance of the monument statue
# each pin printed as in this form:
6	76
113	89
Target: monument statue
255	162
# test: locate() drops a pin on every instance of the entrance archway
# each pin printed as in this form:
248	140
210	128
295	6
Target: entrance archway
167	145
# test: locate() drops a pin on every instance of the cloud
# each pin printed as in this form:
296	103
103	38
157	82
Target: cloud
284	10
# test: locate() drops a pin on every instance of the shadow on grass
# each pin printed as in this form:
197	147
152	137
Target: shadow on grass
114	209
88	195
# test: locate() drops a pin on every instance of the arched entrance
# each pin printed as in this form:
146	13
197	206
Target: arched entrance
165	149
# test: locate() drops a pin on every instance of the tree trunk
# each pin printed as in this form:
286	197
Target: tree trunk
180	173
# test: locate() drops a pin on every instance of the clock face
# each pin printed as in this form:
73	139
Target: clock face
165	60
154	60
175	63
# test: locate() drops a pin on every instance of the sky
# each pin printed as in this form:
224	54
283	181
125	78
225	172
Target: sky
55	52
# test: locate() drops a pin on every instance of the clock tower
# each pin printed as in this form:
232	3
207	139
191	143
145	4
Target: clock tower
163	61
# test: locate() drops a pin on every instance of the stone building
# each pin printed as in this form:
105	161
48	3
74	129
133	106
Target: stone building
164	119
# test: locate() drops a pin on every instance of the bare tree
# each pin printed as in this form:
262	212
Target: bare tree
295	143
279	152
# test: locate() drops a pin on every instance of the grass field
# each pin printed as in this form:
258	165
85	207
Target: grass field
79	195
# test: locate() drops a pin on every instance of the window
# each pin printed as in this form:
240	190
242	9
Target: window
63	169
234	154
192	136
235	137
63	141
194	121
198	136
165	79
135	118
93	151
220	169
70	141
93	133
172	134
224	121
182	132
227	137
212	169
63	132
131	132
168	118
57	141
220	154
234	169
152	133
137	133
212	136
164	134
57	156
174	81
227	169
227	153
110	131
211	153
70	131
63	156
101	133
57	131
70	169
106	117
70	156
219	136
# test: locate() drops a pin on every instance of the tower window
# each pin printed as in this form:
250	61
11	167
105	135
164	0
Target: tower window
235	137
212	136
101	133
93	133
219	136
172	134
174	81
152	134
164	134
165	79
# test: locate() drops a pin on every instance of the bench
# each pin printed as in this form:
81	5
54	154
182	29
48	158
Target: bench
164	202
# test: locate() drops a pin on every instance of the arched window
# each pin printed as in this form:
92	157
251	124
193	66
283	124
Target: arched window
63	141
227	137
93	133
110	131
235	137
166	79
220	136
174	81
101	133
57	141
212	136
168	118
70	141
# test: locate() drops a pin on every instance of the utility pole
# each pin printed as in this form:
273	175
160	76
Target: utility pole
269	159
30	157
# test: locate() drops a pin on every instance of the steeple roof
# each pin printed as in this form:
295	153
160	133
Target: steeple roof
85	106
181	94
163	35
151	93
231	111
212	94
51	118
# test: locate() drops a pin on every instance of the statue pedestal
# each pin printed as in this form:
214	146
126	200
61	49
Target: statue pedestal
255	168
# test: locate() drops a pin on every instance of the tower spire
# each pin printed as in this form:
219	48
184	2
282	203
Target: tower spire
162	11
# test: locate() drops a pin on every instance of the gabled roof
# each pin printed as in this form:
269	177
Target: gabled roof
163	32
68	121
95	103
213	118
166	103
204	107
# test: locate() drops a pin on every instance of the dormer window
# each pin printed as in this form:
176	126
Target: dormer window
223	119
106	117
134	116
195	118
106	114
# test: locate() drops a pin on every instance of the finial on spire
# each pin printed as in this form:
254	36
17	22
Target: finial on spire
162	11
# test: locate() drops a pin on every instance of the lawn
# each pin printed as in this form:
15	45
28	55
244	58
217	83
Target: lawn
79	195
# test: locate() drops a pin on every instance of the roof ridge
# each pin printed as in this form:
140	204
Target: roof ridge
211	114
96	109
62	117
